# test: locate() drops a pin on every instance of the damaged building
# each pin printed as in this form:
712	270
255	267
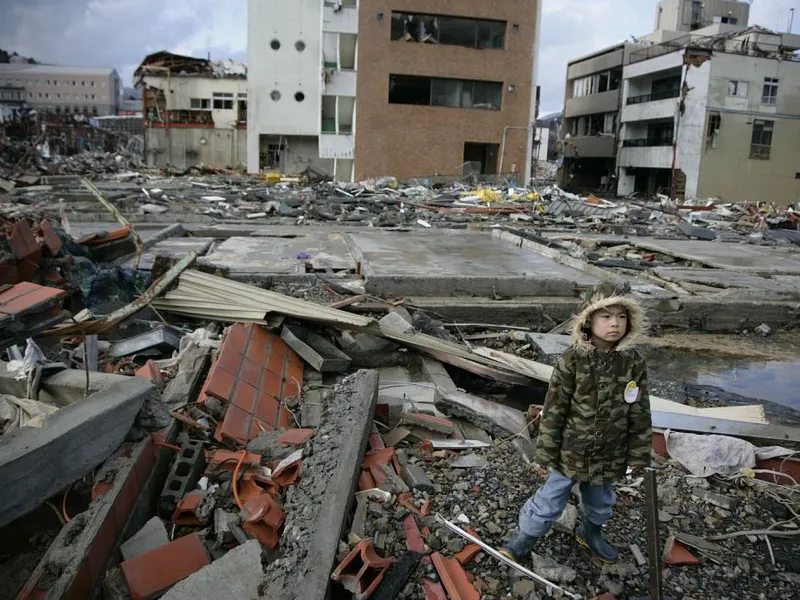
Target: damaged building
360	90
715	116
626	105
194	110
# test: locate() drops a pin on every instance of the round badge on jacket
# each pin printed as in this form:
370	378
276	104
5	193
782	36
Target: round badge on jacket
631	392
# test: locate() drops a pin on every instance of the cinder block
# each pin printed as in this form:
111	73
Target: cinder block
185	472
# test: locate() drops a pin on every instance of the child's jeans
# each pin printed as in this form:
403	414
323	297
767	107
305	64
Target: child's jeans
540	512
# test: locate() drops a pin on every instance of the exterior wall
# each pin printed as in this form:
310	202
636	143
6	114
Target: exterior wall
728	171
676	15
286	70
592	105
81	90
591	146
692	125
409	141
589	66
184	145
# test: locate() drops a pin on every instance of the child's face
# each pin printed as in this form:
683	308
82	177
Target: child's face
610	324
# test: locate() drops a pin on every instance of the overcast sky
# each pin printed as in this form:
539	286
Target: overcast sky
120	33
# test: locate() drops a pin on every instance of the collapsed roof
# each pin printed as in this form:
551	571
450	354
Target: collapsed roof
176	65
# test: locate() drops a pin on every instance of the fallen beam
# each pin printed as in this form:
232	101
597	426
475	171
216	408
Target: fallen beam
320	504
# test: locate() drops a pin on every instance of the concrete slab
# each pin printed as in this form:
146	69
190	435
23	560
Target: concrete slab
245	256
36	463
235	575
173	248
722	278
320	504
446	263
737	257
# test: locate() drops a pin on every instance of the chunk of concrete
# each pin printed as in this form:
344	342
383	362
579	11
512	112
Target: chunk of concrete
416	477
320	503
549	343
497	419
37	462
470	461
152	535
235	575
267	445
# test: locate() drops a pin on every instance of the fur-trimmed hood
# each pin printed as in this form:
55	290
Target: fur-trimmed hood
604	295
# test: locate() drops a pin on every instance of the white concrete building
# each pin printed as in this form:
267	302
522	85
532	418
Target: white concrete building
718	117
194	111
691	15
302	86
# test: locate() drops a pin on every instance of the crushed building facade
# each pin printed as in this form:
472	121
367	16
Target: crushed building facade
357	91
194	110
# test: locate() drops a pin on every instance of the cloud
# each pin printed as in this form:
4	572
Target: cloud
120	33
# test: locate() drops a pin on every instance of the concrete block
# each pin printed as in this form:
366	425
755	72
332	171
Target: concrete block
549	343
151	536
416	478
186	470
497	419
320	503
36	463
235	575
268	446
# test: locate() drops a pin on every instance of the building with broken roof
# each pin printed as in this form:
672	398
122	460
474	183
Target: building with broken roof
62	89
413	89
194	110
713	114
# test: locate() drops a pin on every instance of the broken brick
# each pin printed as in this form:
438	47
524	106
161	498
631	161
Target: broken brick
414	541
288	470
264	519
150	371
225	460
153	572
362	571
433	590
454	578
676	553
186	511
428	422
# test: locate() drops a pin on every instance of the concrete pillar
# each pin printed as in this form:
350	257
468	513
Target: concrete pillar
626	183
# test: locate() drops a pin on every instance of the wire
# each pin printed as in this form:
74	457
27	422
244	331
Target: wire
165	445
58	512
235	477
64	504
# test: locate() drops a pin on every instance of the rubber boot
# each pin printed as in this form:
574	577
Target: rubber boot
519	547
590	536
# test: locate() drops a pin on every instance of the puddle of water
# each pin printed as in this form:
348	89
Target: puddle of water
770	381
775	381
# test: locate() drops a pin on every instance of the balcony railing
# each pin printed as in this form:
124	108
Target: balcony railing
759	151
771	100
655	97
646	143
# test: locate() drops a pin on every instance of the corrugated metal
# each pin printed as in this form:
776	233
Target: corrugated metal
570	208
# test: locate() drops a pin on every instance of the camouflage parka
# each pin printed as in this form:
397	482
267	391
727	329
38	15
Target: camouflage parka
596	418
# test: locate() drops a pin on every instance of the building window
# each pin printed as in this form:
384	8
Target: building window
729	20
738	89
451	31
222	101
456	93
94	110
761	144
200	104
714	123
770	95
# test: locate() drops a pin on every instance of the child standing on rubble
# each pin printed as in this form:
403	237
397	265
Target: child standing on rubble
595	423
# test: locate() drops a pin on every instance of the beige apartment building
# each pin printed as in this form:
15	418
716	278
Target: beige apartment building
63	89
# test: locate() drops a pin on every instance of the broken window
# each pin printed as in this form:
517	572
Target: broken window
452	31
738	88
455	93
730	20
596	124
770	95
222	101
761	142
603	83
409	89
200	104
714	123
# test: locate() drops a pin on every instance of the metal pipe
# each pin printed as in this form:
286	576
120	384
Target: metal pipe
791	19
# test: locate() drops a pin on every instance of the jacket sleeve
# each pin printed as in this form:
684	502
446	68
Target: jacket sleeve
554	414
640	425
